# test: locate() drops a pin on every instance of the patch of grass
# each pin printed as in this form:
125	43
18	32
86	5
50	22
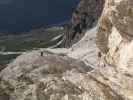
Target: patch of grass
29	42
5	59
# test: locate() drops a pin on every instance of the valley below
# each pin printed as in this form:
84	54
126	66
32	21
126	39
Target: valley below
12	45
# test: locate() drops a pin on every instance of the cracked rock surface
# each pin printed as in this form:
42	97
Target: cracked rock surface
62	74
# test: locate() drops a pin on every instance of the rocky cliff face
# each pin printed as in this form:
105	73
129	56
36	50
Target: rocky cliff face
71	74
84	17
115	34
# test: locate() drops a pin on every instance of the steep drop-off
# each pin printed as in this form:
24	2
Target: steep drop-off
84	17
74	73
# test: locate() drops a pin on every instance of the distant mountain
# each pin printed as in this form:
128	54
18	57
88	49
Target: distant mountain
23	15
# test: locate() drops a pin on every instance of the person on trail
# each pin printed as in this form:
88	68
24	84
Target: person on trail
41	53
101	60
99	54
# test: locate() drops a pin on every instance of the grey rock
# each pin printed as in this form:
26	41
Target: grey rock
84	17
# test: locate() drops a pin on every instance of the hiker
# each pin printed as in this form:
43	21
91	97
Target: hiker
41	53
84	21
99	54
101	61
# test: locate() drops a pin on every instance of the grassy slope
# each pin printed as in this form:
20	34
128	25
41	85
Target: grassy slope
33	40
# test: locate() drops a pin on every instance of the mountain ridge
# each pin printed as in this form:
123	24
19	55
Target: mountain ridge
78	72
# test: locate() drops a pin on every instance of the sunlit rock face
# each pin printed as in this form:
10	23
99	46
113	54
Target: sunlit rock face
54	77
48	77
116	33
115	41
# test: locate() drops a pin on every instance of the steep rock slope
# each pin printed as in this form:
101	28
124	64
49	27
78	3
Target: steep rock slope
42	78
61	75
84	17
115	35
54	77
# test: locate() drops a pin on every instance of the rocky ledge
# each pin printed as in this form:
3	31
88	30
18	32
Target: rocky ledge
74	73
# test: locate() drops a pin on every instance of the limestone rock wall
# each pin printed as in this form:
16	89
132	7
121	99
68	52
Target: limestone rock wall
115	34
